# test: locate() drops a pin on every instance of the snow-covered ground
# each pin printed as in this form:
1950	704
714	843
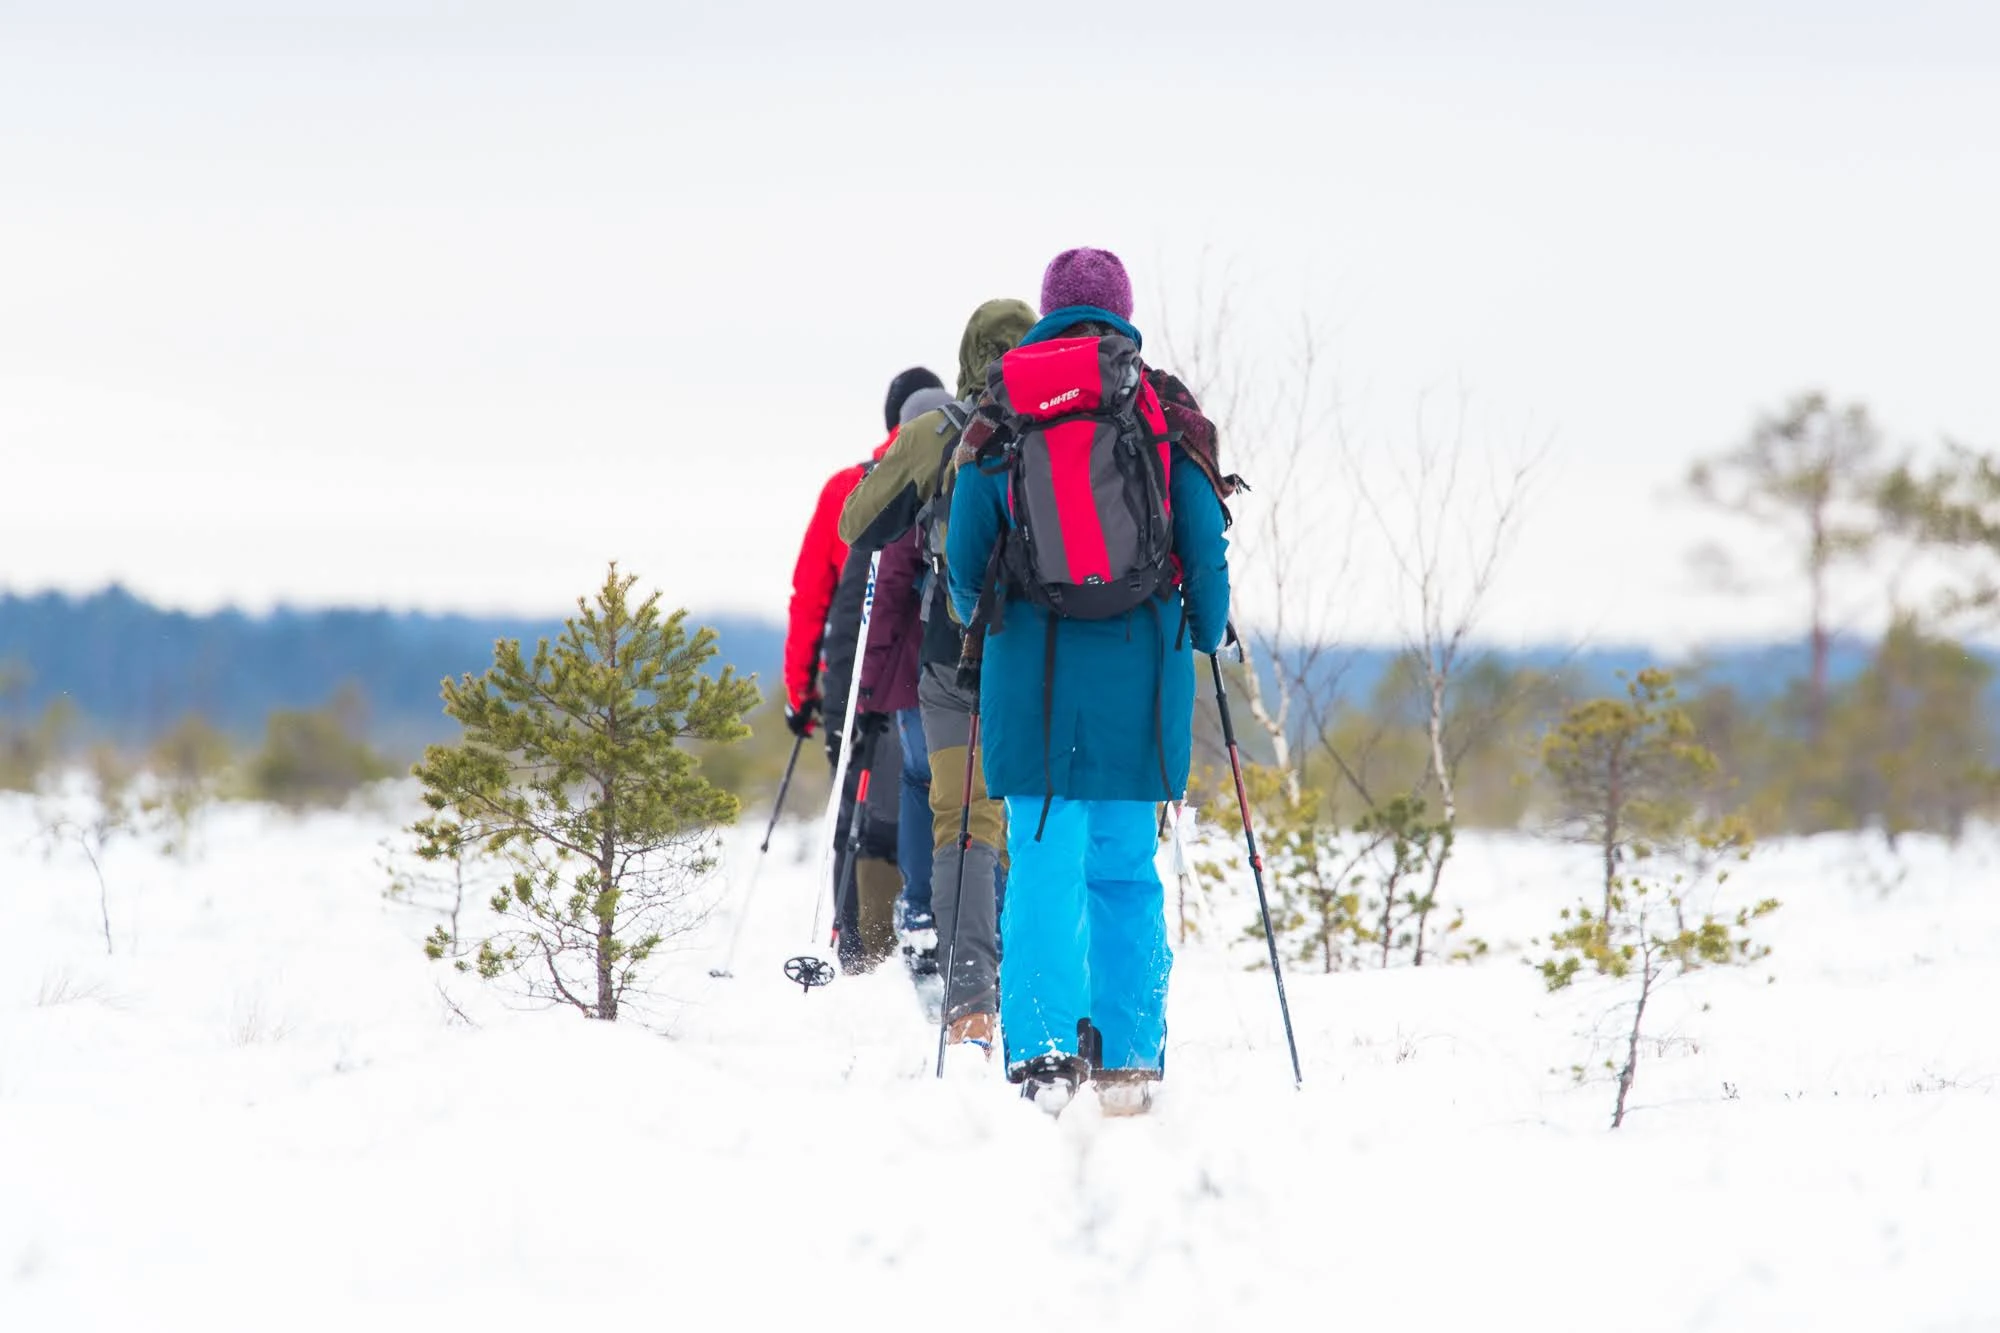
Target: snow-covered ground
266	1109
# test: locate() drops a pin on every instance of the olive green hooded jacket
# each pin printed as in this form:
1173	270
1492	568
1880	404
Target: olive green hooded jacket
894	494
902	482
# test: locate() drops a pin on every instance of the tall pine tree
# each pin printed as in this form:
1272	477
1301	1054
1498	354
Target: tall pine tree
1811	474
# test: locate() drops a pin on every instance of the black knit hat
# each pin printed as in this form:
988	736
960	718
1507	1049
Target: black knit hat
900	388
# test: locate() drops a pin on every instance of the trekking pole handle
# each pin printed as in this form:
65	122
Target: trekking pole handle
972	657
1231	639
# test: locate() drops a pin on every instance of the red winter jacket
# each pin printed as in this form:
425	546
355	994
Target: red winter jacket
822	555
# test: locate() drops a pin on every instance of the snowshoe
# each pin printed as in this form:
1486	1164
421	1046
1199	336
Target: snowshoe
920	951
930	997
1125	1092
1051	1081
917	937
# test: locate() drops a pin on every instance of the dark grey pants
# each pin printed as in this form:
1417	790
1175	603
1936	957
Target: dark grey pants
971	917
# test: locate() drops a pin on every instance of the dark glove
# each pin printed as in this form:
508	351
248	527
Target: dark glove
971	656
799	719
867	726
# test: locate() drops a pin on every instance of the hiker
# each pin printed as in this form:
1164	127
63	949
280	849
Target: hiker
902	506
817	576
1086	544
822	558
868	883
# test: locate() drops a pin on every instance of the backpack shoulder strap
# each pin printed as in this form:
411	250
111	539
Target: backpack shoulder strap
956	413
951	431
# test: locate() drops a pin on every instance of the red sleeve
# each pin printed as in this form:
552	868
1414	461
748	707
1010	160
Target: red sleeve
821	556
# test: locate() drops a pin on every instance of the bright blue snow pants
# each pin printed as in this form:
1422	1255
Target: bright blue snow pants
1086	930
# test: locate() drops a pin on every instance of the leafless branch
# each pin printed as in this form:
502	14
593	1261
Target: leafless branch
1291	572
452	1005
1447	546
556	978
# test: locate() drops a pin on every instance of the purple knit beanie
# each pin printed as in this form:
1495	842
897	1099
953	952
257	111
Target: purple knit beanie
1087	277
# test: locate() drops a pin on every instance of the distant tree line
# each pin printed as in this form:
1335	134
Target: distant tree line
1833	731
128	671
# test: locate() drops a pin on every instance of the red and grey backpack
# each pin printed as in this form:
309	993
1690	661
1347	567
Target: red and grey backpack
1086	450
1087	455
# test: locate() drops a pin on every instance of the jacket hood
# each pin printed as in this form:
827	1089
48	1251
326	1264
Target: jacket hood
922	401
994	330
1058	322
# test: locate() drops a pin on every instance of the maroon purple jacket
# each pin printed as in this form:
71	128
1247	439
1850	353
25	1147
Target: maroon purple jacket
895	636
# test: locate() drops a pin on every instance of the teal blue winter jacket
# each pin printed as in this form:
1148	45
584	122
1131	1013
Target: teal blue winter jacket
1119	725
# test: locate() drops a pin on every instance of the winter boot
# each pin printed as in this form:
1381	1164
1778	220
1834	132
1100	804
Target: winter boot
920	943
1051	1081
1122	1092
877	886
968	1051
975	1028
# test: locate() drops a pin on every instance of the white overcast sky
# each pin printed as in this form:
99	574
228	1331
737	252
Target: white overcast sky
443	305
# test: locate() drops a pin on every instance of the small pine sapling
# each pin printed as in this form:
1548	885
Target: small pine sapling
1401	847
1314	872
444	939
1654	934
1630	773
1313	904
439	883
1346	897
576	767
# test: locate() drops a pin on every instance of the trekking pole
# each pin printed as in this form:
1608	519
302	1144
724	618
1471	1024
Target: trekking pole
757	866
858	822
808	969
958	890
1256	861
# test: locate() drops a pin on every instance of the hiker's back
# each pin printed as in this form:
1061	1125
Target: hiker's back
1083	447
1088	535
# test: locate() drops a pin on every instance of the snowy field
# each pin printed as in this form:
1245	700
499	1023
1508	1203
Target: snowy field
267	1110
